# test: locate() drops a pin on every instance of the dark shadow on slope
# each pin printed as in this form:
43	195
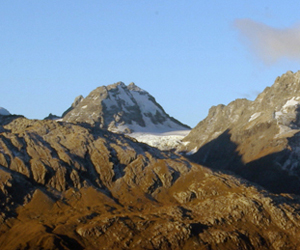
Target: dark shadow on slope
5	119
65	241
222	154
268	173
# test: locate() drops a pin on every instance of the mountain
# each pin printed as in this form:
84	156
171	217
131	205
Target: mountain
76	186
4	111
259	140
121	108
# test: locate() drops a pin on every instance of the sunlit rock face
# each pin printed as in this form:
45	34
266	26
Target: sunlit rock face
258	139
68	186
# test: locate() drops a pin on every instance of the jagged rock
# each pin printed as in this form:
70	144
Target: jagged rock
77	100
258	139
68	186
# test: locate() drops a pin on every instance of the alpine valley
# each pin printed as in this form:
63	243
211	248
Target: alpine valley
115	171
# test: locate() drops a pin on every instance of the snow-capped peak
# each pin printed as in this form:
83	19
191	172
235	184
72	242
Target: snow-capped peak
121	108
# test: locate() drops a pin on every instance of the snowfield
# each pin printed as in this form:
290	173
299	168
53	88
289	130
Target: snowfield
163	141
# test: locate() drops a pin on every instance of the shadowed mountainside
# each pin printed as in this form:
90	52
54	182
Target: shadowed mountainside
223	154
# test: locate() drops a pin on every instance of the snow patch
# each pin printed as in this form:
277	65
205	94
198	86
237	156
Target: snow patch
123	95
278	114
146	106
254	116
285	108
292	102
163	141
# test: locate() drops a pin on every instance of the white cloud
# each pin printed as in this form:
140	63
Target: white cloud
268	43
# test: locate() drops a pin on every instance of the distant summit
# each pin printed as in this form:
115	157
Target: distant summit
4	111
121	108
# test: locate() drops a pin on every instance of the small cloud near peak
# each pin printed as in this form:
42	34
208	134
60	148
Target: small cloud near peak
268	43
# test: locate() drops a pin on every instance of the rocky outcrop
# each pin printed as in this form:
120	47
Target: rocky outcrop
77	100
68	186
258	140
121	108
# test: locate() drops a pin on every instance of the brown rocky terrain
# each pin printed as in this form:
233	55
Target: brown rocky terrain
259	140
67	186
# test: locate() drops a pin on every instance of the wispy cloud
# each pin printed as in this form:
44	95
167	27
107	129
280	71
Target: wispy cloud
268	43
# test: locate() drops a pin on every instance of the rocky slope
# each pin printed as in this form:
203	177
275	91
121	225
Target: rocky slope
121	108
257	139
68	186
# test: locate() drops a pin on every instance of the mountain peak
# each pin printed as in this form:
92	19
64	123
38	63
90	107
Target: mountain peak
121	108
115	85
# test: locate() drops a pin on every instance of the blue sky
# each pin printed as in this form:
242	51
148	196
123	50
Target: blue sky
189	55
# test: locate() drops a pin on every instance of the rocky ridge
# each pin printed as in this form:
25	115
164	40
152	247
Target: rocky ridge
68	186
258	140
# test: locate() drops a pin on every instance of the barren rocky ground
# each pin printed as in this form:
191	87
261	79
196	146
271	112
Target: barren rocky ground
67	186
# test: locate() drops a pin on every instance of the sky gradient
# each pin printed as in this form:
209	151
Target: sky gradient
189	55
